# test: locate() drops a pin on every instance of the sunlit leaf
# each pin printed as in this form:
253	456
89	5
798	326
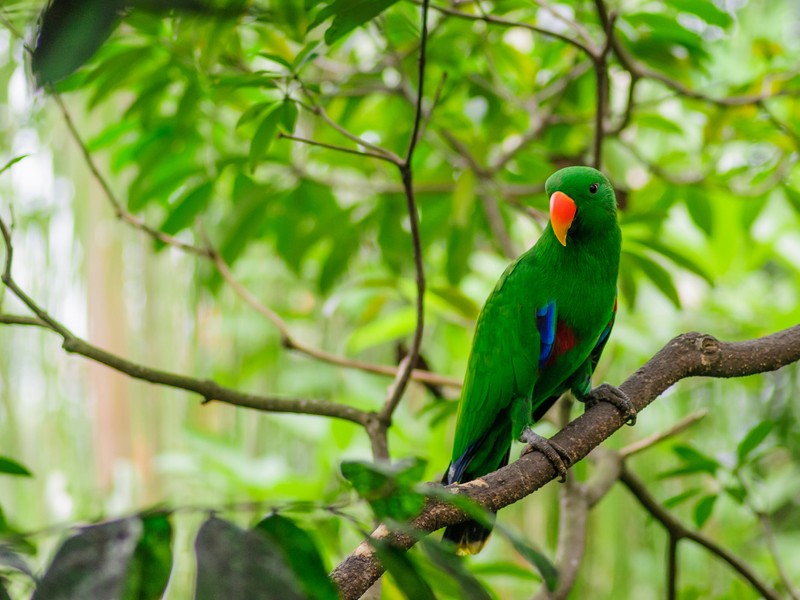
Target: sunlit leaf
389	488
12	162
753	440
347	15
703	509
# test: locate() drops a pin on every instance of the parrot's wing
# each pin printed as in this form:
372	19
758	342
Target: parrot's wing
503	367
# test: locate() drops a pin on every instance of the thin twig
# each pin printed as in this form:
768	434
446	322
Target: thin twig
506	23
660	436
289	341
678	531
335	147
395	391
119	210
208	389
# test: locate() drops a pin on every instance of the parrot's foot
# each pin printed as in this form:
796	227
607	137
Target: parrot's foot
552	451
613	395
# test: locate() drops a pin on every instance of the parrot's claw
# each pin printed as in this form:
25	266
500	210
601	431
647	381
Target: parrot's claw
613	395
552	451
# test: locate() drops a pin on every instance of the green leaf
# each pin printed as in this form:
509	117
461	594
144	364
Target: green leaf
151	566
3	592
288	115
658	275
449	563
752	440
233	563
656	121
347	15
386	328
187	208
301	554
677	499
397	562
703	509
477	513
677	257
265	134
389	488
695	461
9	466
792	197
737	493
700	209
70	32
93	564
706	10
12	162
254	111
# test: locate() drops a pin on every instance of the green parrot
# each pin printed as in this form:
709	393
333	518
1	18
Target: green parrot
539	335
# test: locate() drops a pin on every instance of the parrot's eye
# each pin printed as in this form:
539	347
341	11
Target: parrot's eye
593	188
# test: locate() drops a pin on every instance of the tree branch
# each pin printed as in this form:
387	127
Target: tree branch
489	19
688	355
209	390
395	391
678	531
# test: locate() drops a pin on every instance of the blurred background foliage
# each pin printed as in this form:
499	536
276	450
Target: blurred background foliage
186	114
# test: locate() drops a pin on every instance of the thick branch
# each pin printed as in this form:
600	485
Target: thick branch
688	355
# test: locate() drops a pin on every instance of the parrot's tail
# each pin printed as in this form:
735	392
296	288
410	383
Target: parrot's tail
470	536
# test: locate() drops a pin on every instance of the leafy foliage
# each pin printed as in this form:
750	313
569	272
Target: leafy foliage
189	105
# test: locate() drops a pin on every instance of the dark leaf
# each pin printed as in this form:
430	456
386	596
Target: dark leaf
476	512
737	493
12	467
233	563
152	561
388	487
301	554
752	440
677	257
93	564
70	32
12	560
409	580
703	509
449	563
3	592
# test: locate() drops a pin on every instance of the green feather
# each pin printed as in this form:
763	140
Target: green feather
504	386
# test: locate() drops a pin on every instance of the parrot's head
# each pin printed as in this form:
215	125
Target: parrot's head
582	202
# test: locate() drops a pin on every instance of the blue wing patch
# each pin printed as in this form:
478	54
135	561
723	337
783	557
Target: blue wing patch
546	324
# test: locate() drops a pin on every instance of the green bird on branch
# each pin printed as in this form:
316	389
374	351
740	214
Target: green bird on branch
539	335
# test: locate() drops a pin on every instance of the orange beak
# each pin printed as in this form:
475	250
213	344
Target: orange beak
562	212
